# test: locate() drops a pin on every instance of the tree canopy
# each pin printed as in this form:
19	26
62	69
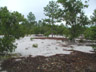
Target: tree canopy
31	17
93	18
10	29
74	16
51	11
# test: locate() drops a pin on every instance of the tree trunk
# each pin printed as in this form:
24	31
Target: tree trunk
52	27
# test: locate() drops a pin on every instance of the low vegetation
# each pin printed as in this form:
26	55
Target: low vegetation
35	45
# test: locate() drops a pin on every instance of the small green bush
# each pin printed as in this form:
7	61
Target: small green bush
35	45
6	44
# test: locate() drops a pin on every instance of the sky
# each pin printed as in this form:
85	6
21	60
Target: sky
37	7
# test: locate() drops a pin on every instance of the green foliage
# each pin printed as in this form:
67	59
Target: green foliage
31	17
74	16
66	32
75	31
90	33
47	33
51	11
6	44
29	24
35	45
93	18
93	29
10	28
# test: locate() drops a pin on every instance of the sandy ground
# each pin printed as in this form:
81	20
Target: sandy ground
46	47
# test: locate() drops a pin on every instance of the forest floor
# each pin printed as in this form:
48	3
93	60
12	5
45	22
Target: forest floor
74	62
50	56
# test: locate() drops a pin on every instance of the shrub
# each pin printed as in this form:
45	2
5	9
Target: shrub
35	45
11	28
90	33
6	44
93	29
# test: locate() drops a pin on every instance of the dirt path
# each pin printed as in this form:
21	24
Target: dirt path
75	62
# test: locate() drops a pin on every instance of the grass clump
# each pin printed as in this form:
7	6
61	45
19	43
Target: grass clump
35	45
